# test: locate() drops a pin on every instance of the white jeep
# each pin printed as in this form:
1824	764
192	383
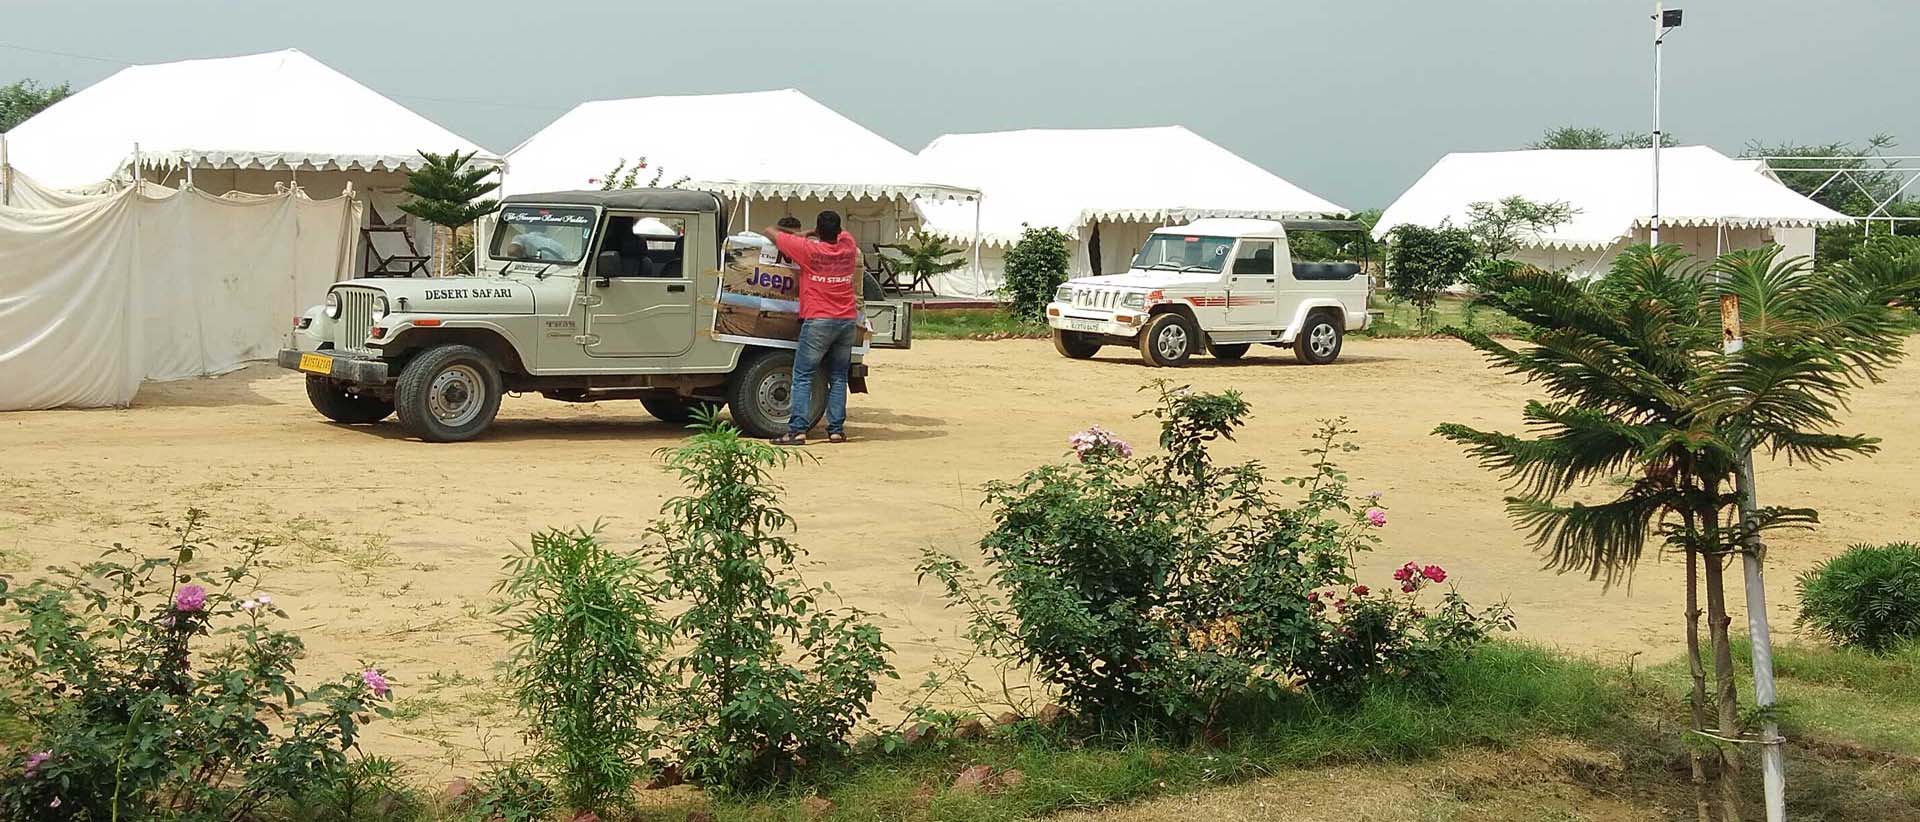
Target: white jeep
1221	284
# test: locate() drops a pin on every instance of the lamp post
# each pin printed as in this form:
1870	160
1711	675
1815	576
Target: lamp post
1664	20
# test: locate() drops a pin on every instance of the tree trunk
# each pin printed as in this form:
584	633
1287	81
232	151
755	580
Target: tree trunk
1727	696
1702	809
442	250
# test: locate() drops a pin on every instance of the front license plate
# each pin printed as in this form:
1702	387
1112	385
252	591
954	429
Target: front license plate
1083	325
316	363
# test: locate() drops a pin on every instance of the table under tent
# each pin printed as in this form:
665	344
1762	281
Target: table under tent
255	124
1107	189
1709	203
773	154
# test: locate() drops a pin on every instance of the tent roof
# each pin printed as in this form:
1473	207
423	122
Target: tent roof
1069	178
1611	191
281	109
780	144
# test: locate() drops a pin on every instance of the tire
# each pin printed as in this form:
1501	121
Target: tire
449	393
674	409
1319	342
1169	340
1228	351
758	395
1074	345
338	405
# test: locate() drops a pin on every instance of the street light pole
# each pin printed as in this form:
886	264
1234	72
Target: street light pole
1661	26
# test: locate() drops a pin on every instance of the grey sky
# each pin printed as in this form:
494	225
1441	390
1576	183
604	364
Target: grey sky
1353	99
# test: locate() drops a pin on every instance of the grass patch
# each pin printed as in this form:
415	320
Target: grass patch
974	324
1399	319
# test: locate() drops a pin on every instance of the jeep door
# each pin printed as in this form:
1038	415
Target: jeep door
640	294
1251	286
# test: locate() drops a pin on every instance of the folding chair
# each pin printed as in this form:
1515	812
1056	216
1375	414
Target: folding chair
400	258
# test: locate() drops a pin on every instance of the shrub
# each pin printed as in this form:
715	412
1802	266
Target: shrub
1867	597
587	661
511	792
769	676
1368	633
1166	591
1424	262
1035	268
128	719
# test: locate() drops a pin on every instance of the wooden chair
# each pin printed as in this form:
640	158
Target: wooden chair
400	259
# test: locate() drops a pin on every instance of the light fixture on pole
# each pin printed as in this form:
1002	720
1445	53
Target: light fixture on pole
1664	20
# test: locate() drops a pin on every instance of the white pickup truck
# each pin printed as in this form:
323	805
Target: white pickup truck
1221	284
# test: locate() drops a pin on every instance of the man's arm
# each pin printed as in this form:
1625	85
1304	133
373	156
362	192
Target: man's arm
789	243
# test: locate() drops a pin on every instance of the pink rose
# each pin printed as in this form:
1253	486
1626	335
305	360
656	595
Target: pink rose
1435	573
1408	586
189	599
1377	517
35	761
375	681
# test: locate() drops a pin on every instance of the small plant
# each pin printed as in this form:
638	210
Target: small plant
1422	263
511	792
128	719
623	177
1867	597
586	664
769	676
1035	268
927	255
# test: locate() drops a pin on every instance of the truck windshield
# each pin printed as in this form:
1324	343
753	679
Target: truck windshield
542	234
1184	252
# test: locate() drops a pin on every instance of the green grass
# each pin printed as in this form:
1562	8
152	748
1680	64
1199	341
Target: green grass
1400	319
974	324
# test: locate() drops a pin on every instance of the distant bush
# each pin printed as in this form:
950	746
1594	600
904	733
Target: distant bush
1035	267
129	720
1422	263
1867	597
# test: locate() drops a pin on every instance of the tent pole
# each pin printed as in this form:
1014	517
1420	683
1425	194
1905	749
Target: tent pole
136	165
6	173
979	277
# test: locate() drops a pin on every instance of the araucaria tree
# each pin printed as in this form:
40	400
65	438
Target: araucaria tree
1639	389
446	191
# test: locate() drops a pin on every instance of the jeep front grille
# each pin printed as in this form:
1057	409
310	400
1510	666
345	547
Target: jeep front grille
1104	298
356	319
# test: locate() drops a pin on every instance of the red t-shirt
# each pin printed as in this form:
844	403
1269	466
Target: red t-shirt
826	274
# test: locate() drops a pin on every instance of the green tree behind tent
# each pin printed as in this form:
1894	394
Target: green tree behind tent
446	191
22	99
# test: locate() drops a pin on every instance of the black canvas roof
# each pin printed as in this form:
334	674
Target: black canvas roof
638	199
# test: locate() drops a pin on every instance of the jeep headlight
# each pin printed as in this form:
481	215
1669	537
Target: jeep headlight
380	307
1134	300
1063	294
333	305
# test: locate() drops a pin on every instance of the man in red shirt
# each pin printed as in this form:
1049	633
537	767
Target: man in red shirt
829	321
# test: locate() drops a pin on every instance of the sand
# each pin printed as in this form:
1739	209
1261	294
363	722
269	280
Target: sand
386	547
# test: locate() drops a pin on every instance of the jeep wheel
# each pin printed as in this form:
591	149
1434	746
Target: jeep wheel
1169	339
337	404
761	392
448	394
1228	351
1074	345
672	408
1319	342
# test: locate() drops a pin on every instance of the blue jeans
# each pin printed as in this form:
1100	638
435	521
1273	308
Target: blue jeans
828	343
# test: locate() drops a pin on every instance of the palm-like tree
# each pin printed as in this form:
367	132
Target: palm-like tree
1639	387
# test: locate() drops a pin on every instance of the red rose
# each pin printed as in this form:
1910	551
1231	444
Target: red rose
1435	573
1360	590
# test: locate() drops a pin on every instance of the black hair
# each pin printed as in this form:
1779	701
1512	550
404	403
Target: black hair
826	227
789	222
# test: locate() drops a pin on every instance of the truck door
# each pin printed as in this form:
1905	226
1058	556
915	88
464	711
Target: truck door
1250	287
640	292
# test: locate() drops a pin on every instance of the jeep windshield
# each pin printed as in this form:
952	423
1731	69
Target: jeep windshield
542	234
1178	252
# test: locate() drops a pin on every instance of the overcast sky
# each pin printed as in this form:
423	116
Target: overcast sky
1352	99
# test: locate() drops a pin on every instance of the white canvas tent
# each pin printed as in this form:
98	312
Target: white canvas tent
1709	203
99	292
775	153
251	124
1104	187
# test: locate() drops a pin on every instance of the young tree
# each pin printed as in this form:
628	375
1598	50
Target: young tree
1639	388
22	99
1035	266
1500	228
925	255
446	192
1424	262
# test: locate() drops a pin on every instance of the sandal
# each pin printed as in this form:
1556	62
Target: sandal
836	437
789	439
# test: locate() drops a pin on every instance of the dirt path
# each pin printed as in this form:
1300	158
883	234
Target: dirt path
390	545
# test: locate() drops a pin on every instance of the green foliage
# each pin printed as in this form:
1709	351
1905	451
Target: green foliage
511	792
1851	179
623	176
975	324
446	190
129	720
586	663
927	255
22	99
1500	228
768	676
1867	597
1575	137
1422	263
1035	268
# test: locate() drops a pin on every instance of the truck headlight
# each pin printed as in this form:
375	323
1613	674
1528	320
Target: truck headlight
380	307
1063	294
1134	300
333	305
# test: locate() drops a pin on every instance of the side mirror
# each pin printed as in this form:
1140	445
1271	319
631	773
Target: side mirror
605	265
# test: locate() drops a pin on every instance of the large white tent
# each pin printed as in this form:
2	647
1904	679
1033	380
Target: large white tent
252	124
1106	188
776	153
1709	202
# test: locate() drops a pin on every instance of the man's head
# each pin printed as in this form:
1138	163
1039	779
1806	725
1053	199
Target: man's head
826	227
790	223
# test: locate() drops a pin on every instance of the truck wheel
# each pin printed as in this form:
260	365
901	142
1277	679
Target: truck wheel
1228	351
1074	345
1319	342
335	403
760	395
448	394
674	409
1169	339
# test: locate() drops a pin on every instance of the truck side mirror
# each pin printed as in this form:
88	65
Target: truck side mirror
605	265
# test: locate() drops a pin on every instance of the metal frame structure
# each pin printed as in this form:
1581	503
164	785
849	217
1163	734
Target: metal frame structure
1841	170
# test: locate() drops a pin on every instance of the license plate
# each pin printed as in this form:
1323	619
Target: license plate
316	363
1083	325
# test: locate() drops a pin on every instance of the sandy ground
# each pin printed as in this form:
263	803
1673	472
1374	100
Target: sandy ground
387	547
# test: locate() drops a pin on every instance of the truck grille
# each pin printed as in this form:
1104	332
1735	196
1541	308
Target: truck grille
356	319
1104	298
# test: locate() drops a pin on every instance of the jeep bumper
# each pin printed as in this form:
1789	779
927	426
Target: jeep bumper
343	367
1085	321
